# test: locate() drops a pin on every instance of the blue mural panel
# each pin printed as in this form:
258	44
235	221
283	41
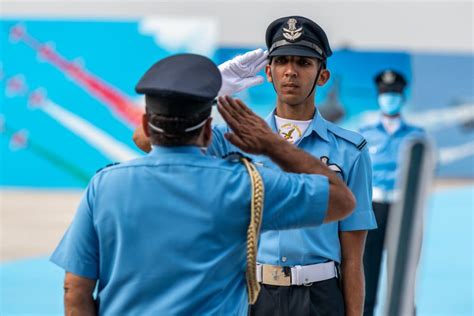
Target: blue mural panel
68	106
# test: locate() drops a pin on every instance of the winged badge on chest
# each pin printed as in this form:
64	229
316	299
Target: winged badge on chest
334	167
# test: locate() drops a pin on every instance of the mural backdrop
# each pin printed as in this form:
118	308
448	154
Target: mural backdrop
68	106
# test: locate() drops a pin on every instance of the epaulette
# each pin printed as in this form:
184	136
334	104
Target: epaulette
352	137
109	165
235	156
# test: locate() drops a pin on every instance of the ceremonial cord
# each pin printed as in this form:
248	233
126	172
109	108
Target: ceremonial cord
253	231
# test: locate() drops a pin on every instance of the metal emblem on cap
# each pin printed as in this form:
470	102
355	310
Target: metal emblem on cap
292	33
388	77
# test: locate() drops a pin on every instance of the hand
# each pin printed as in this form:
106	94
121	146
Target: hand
240	73
249	131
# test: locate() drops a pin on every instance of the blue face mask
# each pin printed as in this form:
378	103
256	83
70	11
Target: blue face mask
390	103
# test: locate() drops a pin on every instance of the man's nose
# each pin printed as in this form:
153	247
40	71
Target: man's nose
290	70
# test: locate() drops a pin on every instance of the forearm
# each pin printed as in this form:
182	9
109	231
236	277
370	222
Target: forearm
78	299
353	287
79	303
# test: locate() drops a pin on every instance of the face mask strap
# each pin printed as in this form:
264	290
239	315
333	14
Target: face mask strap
187	130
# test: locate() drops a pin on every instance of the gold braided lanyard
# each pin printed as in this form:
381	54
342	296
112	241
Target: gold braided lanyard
253	232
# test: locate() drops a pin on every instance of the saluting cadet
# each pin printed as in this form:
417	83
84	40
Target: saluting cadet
165	234
299	268
385	141
316	271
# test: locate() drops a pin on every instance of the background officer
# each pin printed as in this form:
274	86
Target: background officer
166	233
298	50
385	140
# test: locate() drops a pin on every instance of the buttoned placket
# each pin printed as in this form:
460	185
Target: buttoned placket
282	256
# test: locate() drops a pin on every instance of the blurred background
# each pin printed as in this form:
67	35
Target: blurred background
67	104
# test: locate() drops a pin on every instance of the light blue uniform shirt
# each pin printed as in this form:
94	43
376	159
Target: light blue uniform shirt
385	149
165	234
344	152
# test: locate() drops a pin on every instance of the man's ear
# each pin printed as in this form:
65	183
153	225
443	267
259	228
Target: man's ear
323	77
145	125
268	71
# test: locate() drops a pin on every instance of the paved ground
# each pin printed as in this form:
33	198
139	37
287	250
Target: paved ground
32	223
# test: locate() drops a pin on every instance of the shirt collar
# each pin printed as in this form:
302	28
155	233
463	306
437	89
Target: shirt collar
318	124
163	150
402	126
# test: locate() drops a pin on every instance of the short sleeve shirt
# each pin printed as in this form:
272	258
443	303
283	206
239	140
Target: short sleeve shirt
344	152
165	234
385	150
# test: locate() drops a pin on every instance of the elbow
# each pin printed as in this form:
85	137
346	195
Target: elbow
78	295
349	203
341	204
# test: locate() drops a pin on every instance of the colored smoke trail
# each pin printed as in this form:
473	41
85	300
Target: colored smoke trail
103	142
104	92
50	156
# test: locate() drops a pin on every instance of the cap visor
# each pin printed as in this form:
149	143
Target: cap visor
295	50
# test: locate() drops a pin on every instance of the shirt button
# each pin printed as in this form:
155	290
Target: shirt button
283	259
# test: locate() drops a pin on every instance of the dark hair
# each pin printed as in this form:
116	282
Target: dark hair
174	126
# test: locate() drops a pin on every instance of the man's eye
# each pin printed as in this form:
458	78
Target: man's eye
280	60
304	62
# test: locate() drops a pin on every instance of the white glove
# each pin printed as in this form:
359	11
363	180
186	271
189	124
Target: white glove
240	73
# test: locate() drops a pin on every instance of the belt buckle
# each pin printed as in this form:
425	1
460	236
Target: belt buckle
276	275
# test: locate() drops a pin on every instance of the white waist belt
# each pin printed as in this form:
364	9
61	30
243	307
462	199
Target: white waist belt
297	275
382	196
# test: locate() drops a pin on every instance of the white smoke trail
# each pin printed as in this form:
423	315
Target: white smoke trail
103	142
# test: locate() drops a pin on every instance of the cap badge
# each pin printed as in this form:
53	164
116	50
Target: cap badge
292	33
388	77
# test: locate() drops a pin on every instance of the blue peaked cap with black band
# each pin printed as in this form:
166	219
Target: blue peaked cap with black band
180	85
390	81
297	36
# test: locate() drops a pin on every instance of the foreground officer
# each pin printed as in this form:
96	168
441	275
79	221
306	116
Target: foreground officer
385	140
166	234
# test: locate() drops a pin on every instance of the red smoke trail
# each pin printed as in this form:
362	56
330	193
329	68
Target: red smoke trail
103	91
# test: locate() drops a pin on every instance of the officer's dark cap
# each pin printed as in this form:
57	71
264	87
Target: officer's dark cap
390	81
297	36
180	85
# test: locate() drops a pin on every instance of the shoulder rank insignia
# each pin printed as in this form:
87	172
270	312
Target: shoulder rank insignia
362	144
109	165
355	138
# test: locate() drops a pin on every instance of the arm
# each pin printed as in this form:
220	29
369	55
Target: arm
251	134
78	254
239	73
352	271
78	299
